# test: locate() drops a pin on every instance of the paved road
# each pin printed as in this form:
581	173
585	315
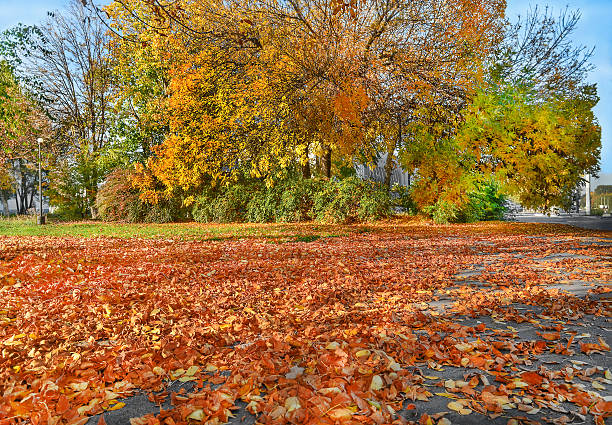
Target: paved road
585	222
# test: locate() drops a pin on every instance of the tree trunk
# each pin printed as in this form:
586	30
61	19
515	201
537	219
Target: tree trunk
31	202
389	168
390	155
306	166
93	193
5	206
19	203
326	162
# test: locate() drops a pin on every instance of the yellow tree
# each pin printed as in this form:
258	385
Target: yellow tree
257	87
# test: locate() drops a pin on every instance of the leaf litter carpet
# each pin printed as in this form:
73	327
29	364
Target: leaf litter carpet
493	323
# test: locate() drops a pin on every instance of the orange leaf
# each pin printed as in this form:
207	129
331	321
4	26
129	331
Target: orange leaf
532	378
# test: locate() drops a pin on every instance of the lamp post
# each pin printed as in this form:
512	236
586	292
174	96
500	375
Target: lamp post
41	217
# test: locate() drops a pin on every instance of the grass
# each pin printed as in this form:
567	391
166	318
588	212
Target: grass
26	226
272	232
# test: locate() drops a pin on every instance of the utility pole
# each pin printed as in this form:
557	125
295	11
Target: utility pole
588	195
41	218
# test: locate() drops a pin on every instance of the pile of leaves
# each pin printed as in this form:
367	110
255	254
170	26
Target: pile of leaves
320	330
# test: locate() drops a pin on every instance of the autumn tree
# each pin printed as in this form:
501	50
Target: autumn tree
258	88
21	123
533	125
70	62
140	61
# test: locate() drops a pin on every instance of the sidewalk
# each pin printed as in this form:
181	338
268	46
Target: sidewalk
585	222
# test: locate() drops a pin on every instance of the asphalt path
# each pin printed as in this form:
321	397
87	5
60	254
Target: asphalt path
591	222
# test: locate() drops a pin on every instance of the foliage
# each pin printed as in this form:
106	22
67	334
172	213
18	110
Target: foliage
603	189
67	57
442	183
335	201
486	202
297	199
351	200
537	150
291	80
224	205
442	212
21	123
117	199
401	198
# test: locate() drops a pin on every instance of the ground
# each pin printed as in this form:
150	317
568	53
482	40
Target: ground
592	222
389	322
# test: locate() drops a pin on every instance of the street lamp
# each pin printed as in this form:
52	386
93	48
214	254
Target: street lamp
41	218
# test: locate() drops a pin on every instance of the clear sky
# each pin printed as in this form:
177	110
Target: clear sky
594	30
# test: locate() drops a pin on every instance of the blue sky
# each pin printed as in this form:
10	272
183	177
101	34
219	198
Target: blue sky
594	30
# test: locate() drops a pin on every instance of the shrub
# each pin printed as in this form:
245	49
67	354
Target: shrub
401	198
337	201
297	200
374	202
443	212
117	200
203	209
263	206
484	203
350	200
223	205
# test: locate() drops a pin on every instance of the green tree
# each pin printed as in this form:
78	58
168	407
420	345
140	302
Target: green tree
537	150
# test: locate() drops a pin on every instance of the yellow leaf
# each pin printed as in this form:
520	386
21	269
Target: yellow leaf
176	373
117	406
598	386
362	353
196	415
447	395
455	405
292	403
377	383
464	348
192	370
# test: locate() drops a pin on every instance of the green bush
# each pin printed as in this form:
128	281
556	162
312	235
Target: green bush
442	212
337	201
297	200
401	199
224	205
485	203
350	200
263	206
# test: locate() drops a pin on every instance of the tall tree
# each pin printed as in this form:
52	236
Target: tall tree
260	86
71	64
21	123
